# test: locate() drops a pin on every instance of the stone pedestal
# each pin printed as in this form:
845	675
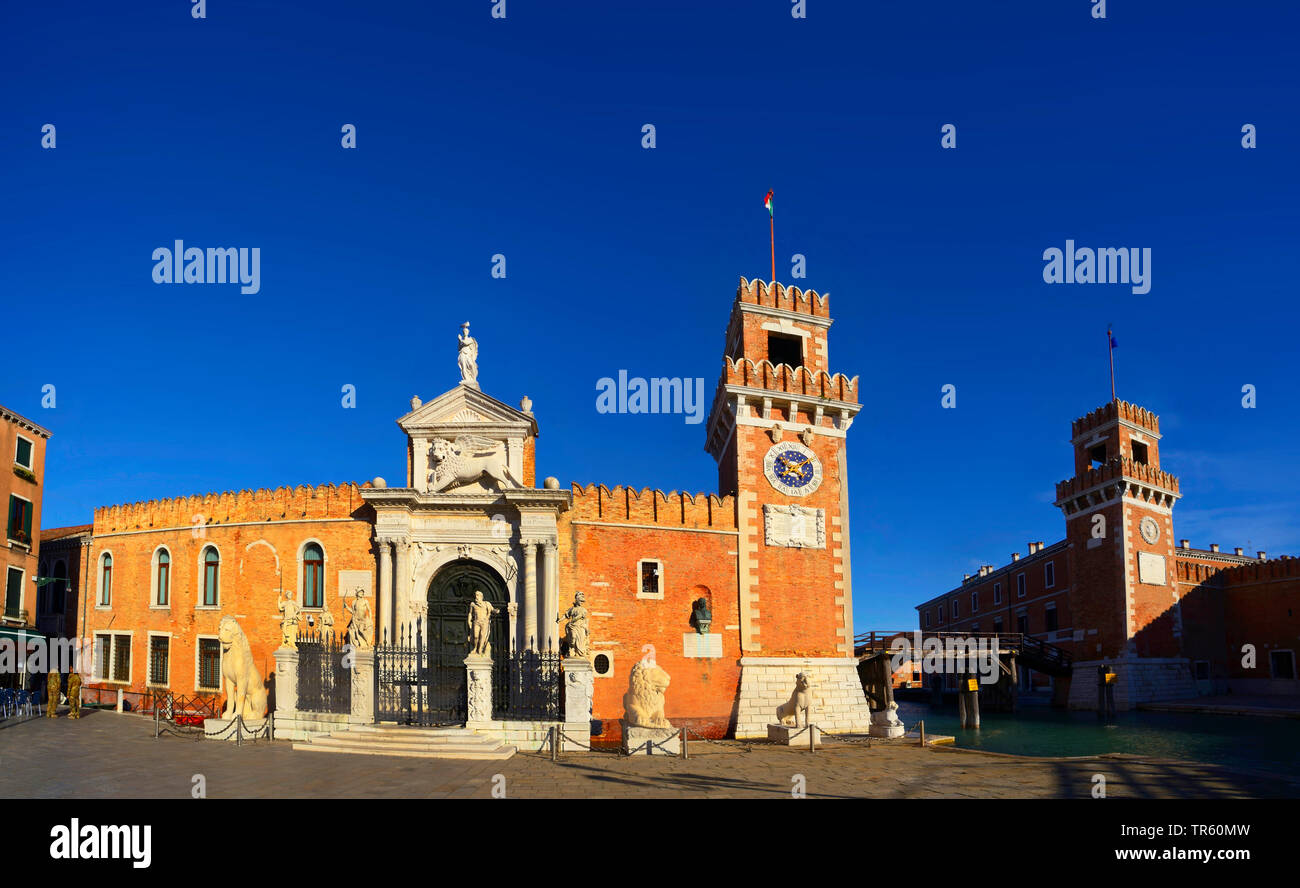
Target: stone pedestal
789	735
650	741
885	723
478	689
579	682
363	686
286	681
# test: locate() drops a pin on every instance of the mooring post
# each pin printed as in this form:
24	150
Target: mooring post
968	699
921	726
812	746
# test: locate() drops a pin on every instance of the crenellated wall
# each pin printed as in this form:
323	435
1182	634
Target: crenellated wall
282	503
652	506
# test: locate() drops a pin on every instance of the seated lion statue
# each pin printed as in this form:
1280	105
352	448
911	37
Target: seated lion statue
801	701
245	693
643	704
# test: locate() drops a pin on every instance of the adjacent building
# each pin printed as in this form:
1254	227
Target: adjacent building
22	443
1168	620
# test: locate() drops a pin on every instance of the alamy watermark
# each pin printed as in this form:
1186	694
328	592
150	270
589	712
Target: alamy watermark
950	654
216	265
636	394
1104	265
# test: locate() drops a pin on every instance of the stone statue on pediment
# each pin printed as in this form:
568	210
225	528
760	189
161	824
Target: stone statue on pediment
467	357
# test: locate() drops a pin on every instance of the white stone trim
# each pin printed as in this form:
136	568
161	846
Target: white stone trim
148	660
198	663
659	576
325	565
199	603
31	467
100	603
154	604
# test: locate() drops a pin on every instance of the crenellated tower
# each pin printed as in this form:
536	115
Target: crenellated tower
778	429
1118	510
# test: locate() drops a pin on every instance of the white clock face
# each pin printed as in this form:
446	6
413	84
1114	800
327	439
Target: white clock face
1149	529
792	469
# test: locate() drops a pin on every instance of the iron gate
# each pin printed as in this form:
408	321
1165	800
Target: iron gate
324	682
526	685
414	688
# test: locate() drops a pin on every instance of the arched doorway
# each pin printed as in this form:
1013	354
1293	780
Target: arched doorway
446	631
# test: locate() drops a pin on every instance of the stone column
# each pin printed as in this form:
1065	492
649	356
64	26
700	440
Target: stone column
384	596
550	598
579	684
363	687
531	641
403	582
420	464
286	682
478	689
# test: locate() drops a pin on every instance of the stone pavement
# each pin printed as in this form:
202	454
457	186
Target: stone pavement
106	754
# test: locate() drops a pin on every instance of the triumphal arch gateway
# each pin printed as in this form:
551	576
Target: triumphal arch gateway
730	595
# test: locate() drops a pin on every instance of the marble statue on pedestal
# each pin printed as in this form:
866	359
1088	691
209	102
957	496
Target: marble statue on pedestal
245	693
643	704
362	625
800	703
576	635
480	626
288	607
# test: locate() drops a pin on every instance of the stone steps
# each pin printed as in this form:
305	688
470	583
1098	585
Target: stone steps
409	742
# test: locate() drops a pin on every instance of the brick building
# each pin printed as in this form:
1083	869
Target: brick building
768	553
1170	620
22	442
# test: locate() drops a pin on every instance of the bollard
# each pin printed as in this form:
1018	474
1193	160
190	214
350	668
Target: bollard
555	753
812	737
921	726
686	753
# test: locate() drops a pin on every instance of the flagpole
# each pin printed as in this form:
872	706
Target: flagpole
772	225
1110	353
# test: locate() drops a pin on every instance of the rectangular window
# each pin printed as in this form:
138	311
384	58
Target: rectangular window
13	593
23	453
1020	585
1283	663
1051	619
955	611
1049	574
159	648
927	619
1022	624
784	349
20	519
209	664
1139	452
103	656
997	626
997	593
974	602
121	658
651	577
941	613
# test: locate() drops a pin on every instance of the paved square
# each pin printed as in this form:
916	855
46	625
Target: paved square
116	756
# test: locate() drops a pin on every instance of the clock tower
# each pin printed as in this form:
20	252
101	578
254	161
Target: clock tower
778	428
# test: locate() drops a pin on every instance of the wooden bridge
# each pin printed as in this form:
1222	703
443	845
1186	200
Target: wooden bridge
1025	649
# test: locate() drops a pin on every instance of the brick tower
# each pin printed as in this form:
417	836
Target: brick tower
1118	511
778	429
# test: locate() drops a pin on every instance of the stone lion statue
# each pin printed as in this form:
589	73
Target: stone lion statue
643	704
801	701
468	459
245	694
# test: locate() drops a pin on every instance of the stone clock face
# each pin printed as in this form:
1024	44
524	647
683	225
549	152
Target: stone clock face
1149	529
792	468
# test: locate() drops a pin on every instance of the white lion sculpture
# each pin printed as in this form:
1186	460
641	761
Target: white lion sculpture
643	704
801	701
245	694
468	459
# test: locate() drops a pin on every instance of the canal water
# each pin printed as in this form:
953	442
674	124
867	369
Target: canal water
1265	744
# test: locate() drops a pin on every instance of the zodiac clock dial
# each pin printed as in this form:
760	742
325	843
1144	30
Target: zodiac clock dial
792	469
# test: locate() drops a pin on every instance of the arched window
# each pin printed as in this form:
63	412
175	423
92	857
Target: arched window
313	576
163	578
211	576
106	580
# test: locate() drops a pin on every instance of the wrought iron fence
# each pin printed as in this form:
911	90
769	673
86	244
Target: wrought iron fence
526	685
324	680
414	685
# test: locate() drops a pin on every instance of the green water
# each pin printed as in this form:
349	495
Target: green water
1265	744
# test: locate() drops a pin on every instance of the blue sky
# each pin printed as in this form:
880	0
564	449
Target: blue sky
523	137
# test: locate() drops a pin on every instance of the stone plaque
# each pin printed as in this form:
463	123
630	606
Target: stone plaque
1151	569
696	645
794	527
349	580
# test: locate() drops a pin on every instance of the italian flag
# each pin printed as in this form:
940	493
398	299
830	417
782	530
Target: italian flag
767	202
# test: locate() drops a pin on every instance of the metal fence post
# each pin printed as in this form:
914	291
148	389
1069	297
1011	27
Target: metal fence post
555	756
686	752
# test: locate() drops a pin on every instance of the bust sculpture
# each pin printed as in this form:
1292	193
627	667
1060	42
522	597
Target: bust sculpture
576	634
480	626
467	357
701	616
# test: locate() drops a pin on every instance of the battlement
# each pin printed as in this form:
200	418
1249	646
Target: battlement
1114	470
596	502
1108	413
1285	567
789	380
776	295
282	503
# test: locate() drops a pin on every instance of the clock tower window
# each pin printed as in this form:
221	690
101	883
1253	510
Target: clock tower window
785	349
